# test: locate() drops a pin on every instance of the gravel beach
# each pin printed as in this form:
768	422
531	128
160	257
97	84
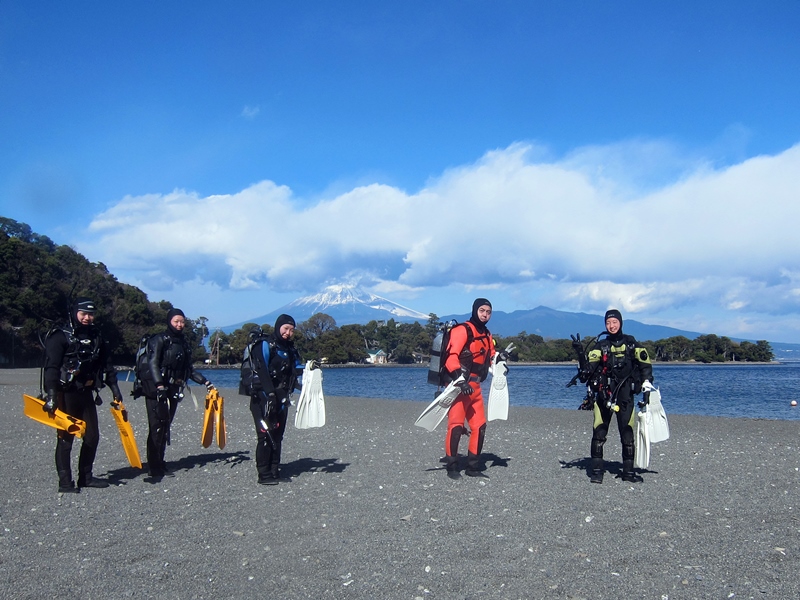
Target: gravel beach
367	511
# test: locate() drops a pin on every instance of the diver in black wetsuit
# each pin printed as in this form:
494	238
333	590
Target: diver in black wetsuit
76	357
278	369
169	366
618	366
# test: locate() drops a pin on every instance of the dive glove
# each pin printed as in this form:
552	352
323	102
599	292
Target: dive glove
576	342
465	387
504	355
647	387
50	404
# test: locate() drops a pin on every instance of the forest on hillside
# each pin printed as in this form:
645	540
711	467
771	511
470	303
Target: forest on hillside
38	279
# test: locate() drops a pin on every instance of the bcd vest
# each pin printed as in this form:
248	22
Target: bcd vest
81	364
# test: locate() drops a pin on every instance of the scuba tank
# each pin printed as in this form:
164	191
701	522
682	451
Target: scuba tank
438	346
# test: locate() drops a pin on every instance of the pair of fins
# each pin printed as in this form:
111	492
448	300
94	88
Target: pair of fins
437	410
497	403
310	410
34	408
652	427
120	414
214	419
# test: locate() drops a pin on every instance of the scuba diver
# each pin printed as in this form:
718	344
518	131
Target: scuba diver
468	352
276	374
168	367
75	358
614	371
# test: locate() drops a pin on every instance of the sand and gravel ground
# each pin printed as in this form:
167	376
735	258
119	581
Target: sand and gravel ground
368	513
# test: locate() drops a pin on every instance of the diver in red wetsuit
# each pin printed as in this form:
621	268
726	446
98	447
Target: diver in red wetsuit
469	353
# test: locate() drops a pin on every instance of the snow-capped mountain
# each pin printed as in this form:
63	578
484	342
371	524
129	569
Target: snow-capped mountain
347	304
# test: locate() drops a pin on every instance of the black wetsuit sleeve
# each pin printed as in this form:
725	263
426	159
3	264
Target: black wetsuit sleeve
155	354
197	377
642	364
646	369
110	373
299	366
54	350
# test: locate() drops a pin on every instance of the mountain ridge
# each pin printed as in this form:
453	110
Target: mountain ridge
349	304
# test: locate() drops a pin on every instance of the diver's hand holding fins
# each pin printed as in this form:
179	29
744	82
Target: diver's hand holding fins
49	405
35	408
437	410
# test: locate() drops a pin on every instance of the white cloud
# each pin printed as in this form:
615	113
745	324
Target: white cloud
250	112
640	225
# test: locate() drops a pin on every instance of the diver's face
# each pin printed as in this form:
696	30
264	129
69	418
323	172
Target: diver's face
612	325
85	318
484	313
178	323
287	331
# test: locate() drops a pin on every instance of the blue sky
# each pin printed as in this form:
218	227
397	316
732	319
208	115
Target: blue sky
230	157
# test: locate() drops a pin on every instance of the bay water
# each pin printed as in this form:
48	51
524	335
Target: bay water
726	390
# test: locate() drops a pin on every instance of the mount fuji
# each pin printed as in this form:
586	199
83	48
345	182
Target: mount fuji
347	304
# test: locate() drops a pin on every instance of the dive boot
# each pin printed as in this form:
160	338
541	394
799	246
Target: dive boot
596	472
452	467
65	483
92	482
628	474
85	481
474	466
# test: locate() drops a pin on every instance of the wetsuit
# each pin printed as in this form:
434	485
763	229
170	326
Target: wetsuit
169	365
469	353
75	360
278	368
618	367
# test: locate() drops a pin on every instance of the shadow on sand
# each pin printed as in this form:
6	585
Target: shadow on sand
193	461
611	467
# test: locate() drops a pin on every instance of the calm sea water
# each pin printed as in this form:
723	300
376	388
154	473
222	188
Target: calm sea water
756	391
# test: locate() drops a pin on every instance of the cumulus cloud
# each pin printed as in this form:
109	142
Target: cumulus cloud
640	225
